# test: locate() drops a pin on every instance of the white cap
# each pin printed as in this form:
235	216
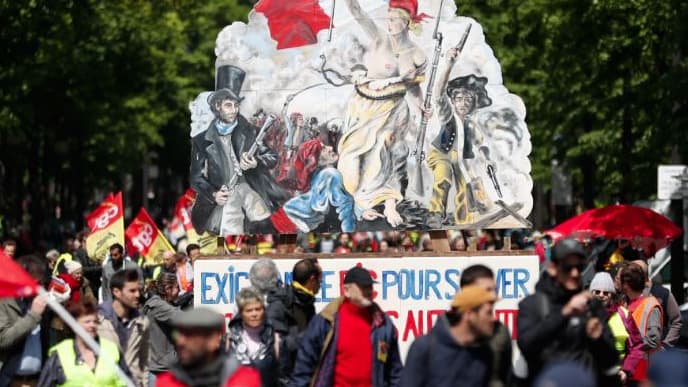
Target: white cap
603	281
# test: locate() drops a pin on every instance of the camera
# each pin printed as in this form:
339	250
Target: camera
596	309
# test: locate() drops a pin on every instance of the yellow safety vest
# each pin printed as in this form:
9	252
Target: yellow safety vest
62	258
156	272
78	375
616	325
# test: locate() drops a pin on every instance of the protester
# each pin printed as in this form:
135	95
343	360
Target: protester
169	265
668	369
670	311
646	312
51	259
79	286
116	262
92	270
160	310
21	348
9	247
558	322
352	342
201	359
627	338
264	276
73	363
121	322
500	340
456	351
291	308
184	272
252	338
193	251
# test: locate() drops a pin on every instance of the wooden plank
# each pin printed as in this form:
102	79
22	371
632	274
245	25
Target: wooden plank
440	243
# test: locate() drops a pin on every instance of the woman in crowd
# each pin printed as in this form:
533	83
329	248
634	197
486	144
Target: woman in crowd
79	285
73	363
160	310
627	337
252	338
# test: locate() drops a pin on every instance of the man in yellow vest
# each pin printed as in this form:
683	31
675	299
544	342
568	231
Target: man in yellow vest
646	312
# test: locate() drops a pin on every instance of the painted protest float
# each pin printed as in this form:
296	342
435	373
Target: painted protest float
370	116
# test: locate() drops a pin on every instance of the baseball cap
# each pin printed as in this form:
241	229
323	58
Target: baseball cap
472	296
359	276
567	247
201	318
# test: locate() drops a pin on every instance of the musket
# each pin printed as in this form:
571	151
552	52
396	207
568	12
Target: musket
462	42
329	34
252	150
419	152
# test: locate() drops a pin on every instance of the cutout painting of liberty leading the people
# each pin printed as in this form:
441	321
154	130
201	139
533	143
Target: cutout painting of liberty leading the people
323	113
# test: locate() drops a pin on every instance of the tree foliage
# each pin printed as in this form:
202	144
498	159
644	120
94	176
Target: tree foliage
604	83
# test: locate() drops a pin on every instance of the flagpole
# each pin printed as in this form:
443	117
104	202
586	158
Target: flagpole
78	330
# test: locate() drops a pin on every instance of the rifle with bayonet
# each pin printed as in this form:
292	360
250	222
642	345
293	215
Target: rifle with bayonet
251	151
419	152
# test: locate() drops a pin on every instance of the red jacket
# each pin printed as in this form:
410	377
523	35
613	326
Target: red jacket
243	377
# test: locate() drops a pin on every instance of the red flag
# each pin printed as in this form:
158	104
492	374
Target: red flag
294	23
107	226
14	281
183	208
146	238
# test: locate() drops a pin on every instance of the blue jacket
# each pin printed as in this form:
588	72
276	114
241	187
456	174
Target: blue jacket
436	359
317	350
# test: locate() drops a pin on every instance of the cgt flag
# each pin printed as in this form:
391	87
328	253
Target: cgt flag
107	227
182	214
147	239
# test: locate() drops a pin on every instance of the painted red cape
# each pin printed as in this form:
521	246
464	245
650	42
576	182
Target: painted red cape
294	23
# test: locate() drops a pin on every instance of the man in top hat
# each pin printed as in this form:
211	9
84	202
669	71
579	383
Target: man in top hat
219	153
464	95
352	342
201	359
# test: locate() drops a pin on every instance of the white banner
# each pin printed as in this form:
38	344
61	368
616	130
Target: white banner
413	291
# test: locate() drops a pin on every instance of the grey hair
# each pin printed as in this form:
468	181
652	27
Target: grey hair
52	254
264	275
247	296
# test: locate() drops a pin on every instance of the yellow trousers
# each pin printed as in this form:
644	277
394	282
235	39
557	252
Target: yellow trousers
446	171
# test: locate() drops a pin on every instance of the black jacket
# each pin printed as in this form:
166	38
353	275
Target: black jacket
289	311
209	171
436	359
545	336
266	361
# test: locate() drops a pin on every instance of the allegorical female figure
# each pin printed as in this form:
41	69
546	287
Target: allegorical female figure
372	150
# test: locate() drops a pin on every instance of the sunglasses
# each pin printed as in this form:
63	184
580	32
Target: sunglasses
568	268
602	293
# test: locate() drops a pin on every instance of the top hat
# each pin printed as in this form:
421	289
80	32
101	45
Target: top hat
228	82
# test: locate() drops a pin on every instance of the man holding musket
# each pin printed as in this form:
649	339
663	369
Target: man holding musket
232	185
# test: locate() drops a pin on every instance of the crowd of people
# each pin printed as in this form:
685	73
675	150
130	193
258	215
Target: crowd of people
620	331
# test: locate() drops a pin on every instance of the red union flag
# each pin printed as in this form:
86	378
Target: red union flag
147	239
107	226
182	215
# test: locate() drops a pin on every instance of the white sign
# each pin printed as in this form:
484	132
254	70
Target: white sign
672	182
413	291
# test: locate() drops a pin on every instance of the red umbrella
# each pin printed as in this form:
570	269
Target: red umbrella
643	227
14	281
